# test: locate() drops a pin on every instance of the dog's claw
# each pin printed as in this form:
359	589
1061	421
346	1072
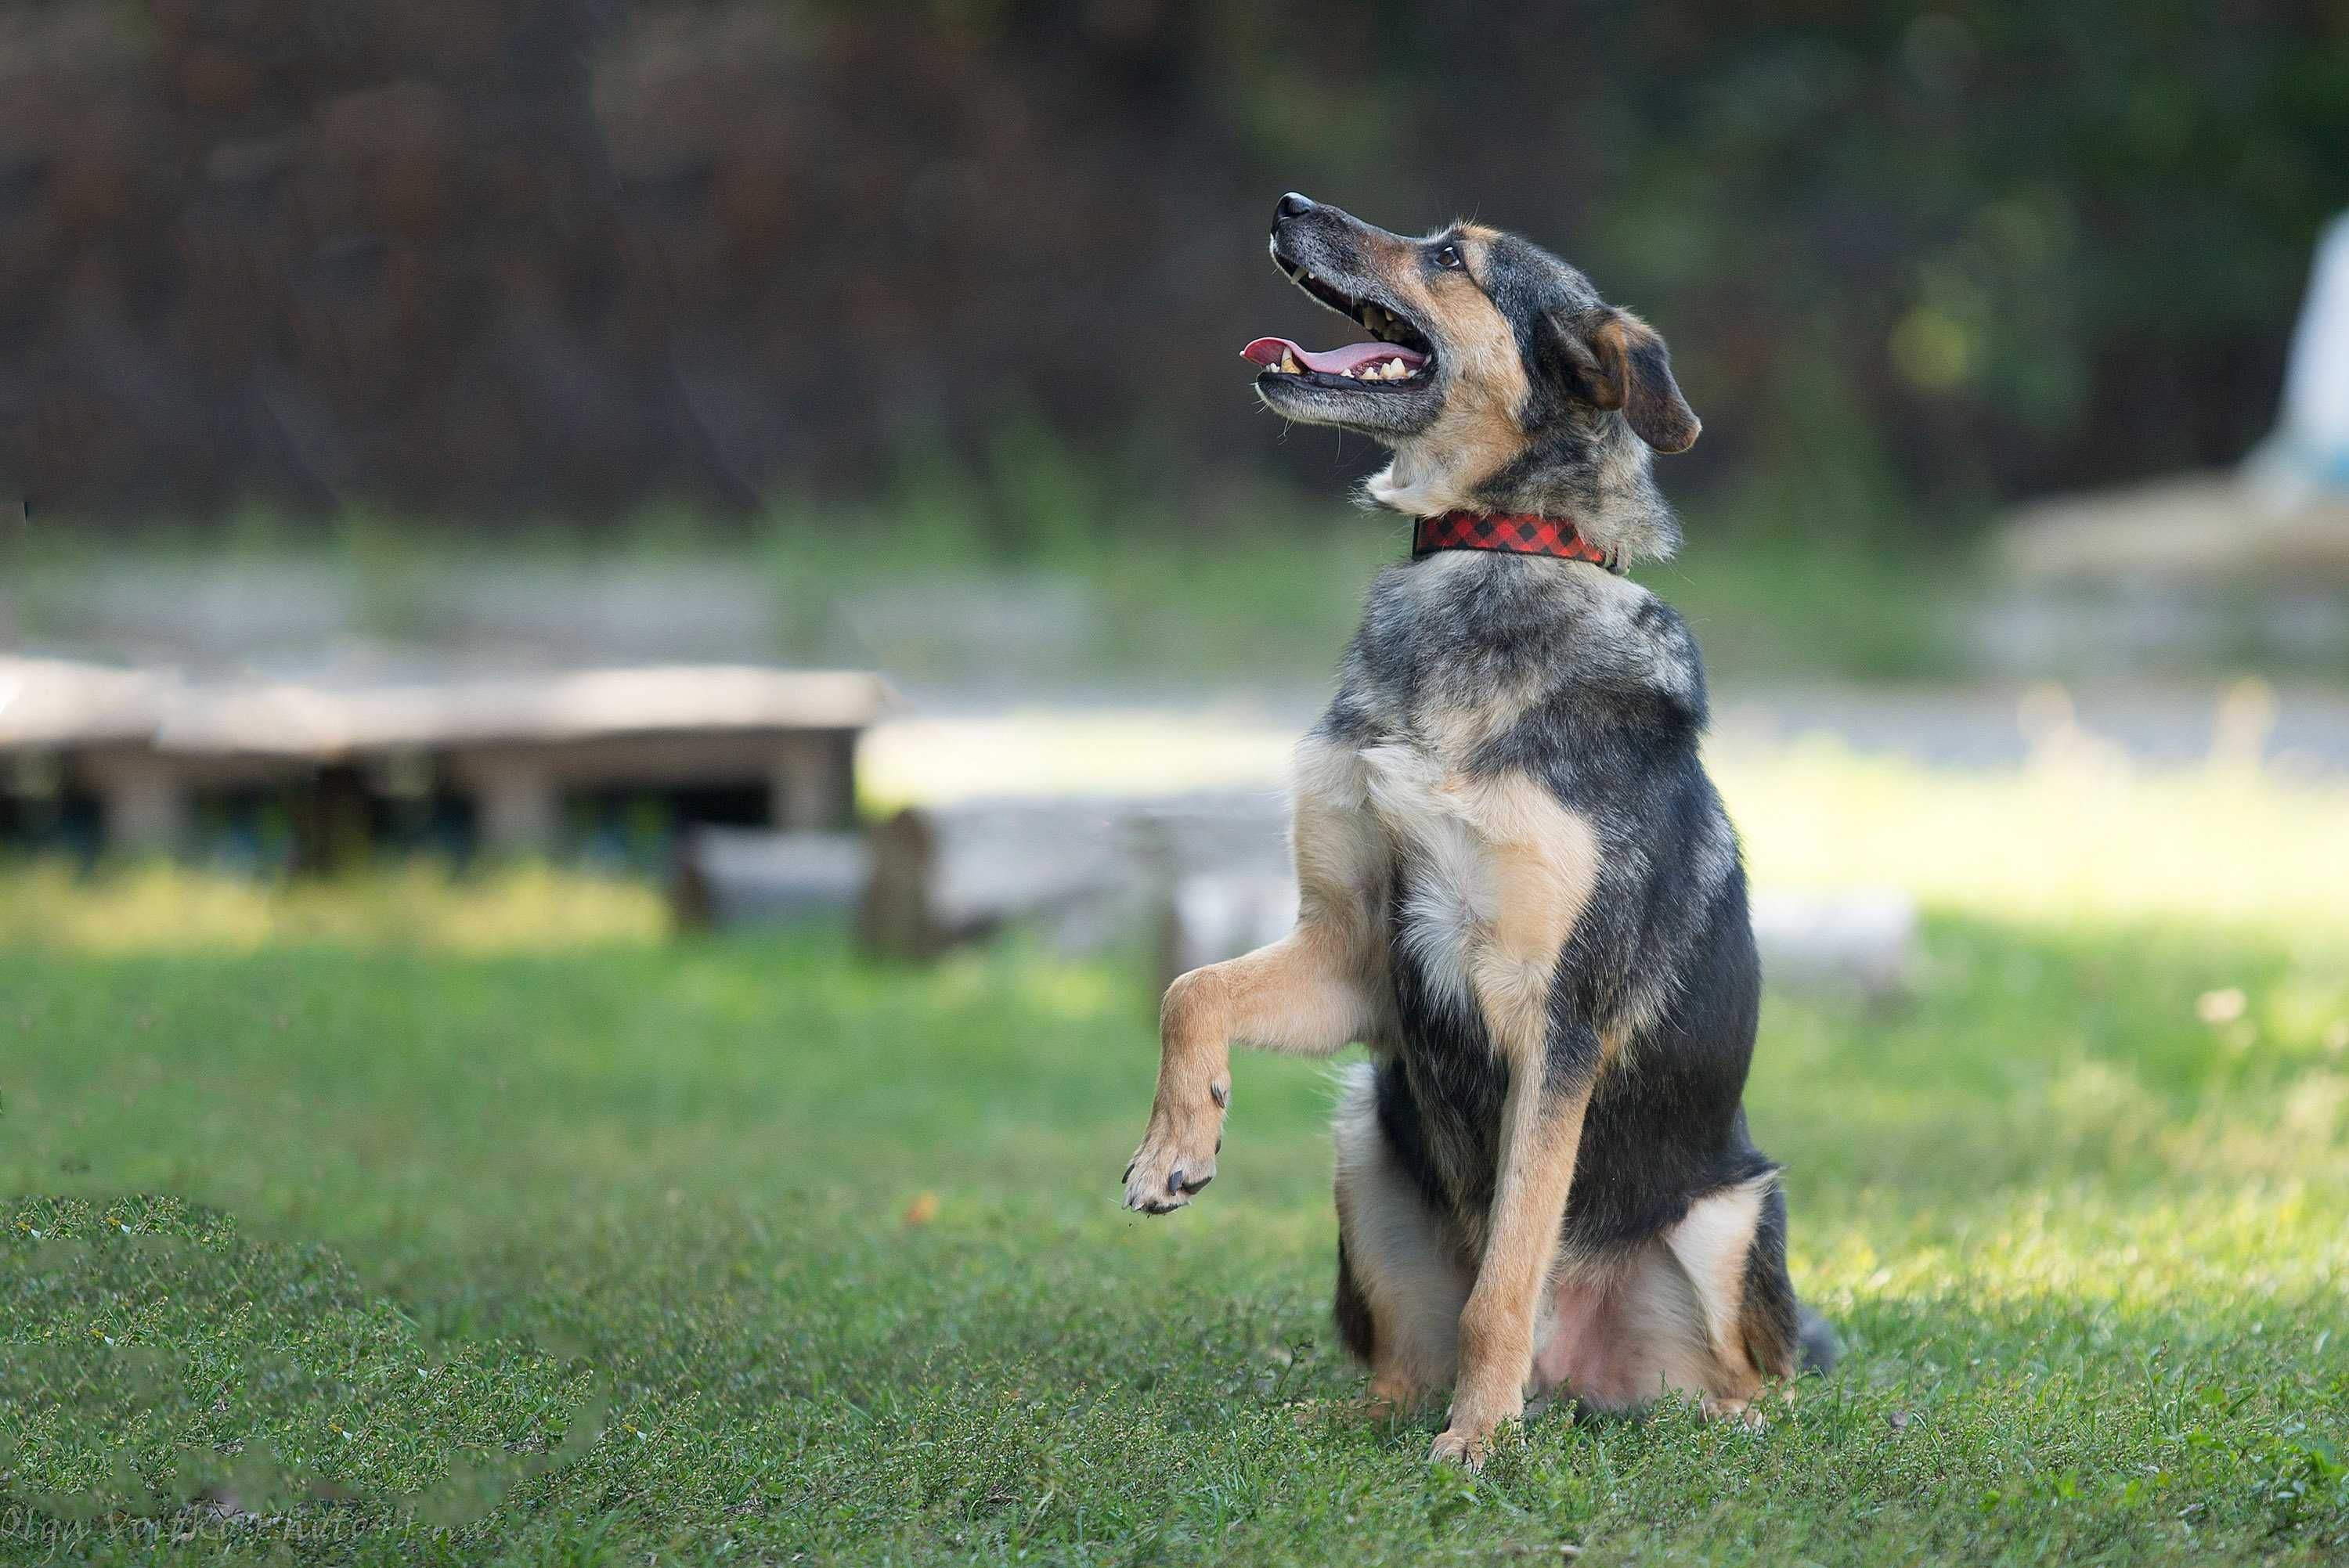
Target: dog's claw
1177	1158
1455	1448
1129	1171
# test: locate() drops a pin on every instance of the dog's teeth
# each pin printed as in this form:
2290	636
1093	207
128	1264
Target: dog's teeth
1288	363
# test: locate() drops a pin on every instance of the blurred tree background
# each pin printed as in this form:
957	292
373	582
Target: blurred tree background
496	260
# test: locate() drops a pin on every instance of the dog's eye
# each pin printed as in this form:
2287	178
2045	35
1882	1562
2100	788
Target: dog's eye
1449	258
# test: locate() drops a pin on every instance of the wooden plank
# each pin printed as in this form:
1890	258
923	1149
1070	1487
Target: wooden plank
1088	870
732	876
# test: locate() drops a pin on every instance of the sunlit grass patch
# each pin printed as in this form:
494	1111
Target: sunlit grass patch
161	907
2077	834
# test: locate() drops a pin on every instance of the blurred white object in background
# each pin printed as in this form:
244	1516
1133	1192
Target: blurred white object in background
2182	572
1857	939
1221	915
2307	455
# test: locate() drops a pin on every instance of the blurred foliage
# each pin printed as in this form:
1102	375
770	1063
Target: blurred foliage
542	256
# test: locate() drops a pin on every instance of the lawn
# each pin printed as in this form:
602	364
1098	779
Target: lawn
474	1222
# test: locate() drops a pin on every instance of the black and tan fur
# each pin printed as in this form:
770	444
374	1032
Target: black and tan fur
1518	887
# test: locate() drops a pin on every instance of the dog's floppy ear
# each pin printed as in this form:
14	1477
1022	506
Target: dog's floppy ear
1612	359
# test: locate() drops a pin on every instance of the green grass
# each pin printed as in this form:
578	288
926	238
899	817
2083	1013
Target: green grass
742	1251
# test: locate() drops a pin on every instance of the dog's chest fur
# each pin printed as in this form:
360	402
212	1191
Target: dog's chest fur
1486	700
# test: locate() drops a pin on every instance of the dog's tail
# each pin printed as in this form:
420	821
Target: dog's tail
1820	1348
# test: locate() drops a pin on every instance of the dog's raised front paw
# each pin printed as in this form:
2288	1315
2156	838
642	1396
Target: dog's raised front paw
1177	1158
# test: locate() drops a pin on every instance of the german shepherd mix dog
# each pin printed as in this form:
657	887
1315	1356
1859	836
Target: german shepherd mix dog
1519	889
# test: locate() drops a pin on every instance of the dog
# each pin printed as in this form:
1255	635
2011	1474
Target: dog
1518	886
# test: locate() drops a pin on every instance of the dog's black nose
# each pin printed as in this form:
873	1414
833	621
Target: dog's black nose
1292	206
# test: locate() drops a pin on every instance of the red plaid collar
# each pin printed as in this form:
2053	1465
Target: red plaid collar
1516	533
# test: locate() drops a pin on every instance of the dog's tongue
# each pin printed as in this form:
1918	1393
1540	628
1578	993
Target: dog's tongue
1266	351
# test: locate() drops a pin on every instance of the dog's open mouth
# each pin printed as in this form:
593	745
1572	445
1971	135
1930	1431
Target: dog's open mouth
1401	357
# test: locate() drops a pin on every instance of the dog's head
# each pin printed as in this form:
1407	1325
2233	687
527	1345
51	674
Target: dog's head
1486	346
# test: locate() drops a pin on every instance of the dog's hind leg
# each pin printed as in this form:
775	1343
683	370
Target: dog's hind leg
1732	1245
1402	1266
1702	1310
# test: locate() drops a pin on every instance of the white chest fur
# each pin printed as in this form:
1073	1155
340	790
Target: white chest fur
1448	906
1494	870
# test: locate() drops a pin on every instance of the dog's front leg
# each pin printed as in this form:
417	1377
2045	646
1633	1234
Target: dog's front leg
1302	995
1309	994
1541	1139
1543	862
